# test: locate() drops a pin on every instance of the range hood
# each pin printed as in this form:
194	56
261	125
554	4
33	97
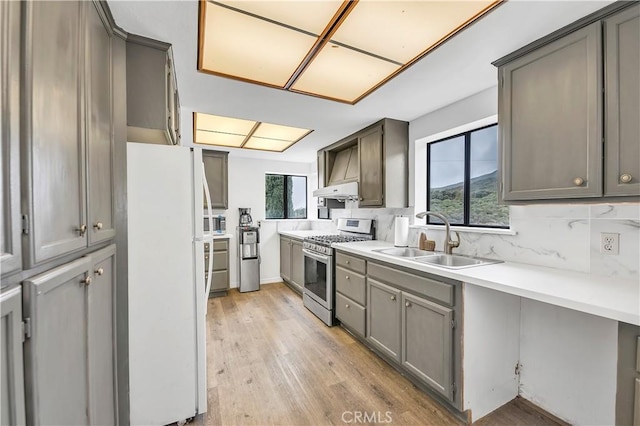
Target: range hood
343	191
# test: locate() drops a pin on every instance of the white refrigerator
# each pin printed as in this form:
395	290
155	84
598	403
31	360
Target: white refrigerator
167	288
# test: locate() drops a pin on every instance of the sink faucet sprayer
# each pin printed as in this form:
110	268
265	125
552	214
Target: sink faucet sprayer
449	245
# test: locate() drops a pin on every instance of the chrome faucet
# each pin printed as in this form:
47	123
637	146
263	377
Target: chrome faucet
449	245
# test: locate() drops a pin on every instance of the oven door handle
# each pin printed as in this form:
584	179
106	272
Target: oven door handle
315	256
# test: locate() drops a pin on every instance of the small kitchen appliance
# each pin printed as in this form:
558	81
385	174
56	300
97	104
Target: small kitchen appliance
248	253
319	277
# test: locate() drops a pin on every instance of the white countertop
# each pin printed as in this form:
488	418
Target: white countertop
608	297
300	235
222	236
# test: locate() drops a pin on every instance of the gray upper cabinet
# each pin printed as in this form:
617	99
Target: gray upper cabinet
54	167
622	103
10	220
99	129
427	342
383	318
56	353
217	170
550	118
153	111
371	168
12	408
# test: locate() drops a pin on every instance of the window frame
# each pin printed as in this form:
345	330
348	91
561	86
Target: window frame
285	197
466	206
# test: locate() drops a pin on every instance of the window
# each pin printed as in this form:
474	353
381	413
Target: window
462	179
285	197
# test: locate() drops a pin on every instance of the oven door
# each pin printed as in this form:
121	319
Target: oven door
318	278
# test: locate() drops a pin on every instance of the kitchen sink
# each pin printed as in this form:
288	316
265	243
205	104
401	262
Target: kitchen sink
455	261
405	252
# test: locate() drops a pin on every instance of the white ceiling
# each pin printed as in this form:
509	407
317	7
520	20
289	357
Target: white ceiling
459	68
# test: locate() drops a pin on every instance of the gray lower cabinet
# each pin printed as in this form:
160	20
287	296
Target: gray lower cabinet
351	292
622	103
285	258
220	277
427	335
67	128
628	377
383	318
297	264
550	109
69	357
12	408
10	221
216	169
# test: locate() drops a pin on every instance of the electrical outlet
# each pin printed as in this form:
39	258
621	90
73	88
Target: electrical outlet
609	243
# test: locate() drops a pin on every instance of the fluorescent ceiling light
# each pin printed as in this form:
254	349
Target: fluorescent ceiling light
338	50
237	133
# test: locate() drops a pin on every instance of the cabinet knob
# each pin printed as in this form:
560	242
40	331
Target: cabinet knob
626	178
578	181
346	277
87	281
98	225
81	230
99	271
393	298
346	261
346	306
407	304
361	198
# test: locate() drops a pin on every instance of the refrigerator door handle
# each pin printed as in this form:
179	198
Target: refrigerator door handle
209	272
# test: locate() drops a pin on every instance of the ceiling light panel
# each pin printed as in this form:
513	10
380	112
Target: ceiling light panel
285	133
216	138
403	30
236	44
223	124
265	144
343	74
311	16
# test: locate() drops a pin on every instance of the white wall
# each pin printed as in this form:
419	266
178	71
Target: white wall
246	189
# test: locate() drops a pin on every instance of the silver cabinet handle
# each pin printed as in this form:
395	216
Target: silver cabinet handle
98	226
87	280
626	178
81	230
408	304
578	181
346	306
393	298
99	271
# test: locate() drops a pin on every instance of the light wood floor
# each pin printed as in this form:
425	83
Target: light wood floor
271	362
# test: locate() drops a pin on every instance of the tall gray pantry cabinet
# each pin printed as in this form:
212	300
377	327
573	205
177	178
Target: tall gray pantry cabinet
58	257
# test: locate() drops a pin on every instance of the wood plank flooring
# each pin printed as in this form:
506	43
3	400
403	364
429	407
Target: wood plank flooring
272	362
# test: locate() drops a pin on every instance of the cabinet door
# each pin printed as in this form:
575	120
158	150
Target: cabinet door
10	216
427	342
371	170
550	109
622	103
171	103
285	258
383	318
53	133
100	207
101	337
11	367
219	281
321	174
215	167
297	264
56	353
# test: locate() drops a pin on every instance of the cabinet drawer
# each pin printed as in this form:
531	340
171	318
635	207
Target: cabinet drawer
351	262
351	284
350	314
437	290
220	262
220	281
220	245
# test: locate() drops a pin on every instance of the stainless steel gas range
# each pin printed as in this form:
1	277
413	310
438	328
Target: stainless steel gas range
319	265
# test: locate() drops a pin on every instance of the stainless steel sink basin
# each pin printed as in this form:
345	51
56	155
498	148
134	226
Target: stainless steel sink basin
405	252
455	261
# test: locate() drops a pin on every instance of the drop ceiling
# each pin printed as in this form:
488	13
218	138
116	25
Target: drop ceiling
455	70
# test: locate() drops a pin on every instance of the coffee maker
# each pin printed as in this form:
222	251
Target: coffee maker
245	217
